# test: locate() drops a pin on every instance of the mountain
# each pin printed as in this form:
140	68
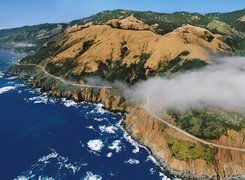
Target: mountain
220	23
29	38
229	24
86	55
127	54
235	19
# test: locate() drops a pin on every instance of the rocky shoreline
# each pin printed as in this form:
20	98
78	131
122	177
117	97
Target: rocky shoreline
137	123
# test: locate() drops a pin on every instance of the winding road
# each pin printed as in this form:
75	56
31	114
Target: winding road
65	81
191	136
151	113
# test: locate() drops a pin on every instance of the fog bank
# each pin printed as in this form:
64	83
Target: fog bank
221	85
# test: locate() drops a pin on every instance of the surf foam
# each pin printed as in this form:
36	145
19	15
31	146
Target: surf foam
6	89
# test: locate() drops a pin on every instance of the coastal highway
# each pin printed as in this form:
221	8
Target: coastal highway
65	81
191	136
151	113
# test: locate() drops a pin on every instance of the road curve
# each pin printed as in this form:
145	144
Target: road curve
191	136
65	81
151	113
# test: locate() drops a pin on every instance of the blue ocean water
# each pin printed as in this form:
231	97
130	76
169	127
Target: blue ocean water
48	138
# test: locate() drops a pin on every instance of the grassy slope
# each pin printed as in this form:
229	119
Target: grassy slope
230	18
209	123
184	150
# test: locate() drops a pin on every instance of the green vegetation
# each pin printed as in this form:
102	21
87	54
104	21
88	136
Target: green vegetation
239	25
124	50
166	22
188	65
116	70
87	45
177	65
36	35
129	74
184	150
209	124
229	18
220	27
45	51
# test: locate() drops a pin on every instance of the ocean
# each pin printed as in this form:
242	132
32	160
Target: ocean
43	137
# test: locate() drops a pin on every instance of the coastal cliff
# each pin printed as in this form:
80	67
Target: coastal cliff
191	159
39	79
204	162
130	50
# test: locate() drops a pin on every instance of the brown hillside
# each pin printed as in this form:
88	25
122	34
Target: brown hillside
93	47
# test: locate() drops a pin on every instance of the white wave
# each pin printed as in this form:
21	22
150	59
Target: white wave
57	161
163	176
99	119
74	168
20	85
22	44
39	99
95	145
132	161
99	109
90	176
24	177
109	154
45	178
152	170
52	100
69	103
115	146
43	98
49	156
132	142
6	89
12	78
136	150
90	127
38	90
152	158
108	129
32	176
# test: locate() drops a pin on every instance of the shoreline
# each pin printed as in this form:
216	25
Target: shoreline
113	103
151	156
160	162
126	135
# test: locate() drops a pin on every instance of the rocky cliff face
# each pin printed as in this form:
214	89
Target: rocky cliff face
40	79
212	164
